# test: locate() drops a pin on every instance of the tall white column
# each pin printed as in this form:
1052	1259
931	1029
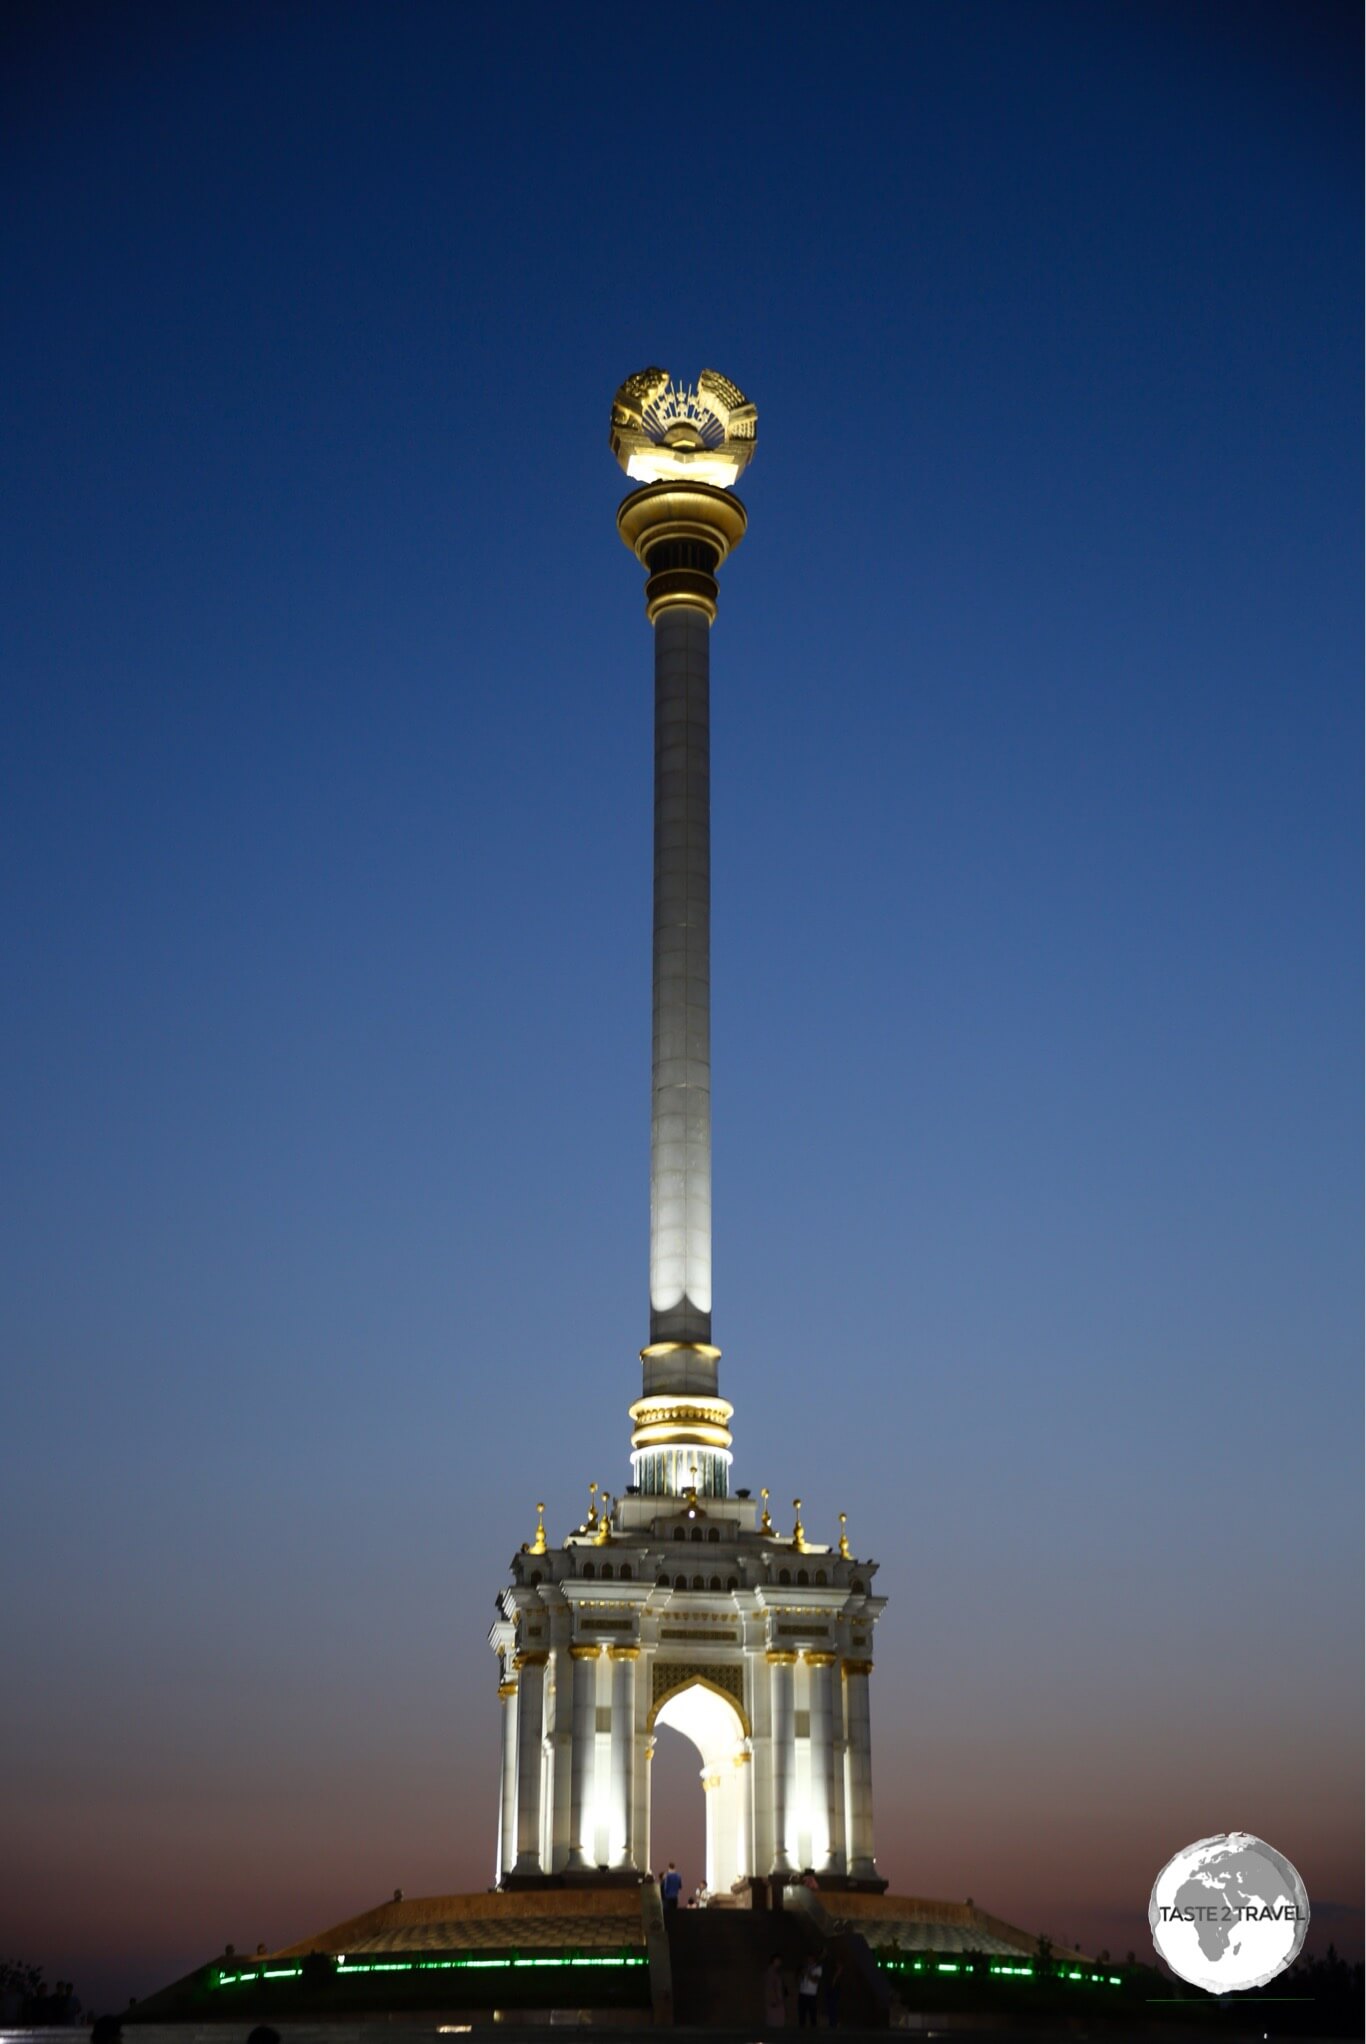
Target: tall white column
507	1816
644	1855
783	1748
681	532
680	1127
713	1864
530	1723
839	1855
623	1661
858	1732
819	1666
744	1816
583	1756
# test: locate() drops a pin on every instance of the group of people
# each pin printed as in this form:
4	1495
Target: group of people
671	1890
818	1978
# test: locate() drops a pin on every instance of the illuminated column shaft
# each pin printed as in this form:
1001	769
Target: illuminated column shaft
680	1123
623	1750
712	1870
784	1755
530	1720
822	1762
859	1768
583	1757
681	532
507	1826
744	1825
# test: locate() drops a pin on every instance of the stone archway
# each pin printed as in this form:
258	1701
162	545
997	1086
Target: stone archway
713	1722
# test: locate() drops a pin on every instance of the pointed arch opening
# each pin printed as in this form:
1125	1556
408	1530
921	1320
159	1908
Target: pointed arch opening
715	1724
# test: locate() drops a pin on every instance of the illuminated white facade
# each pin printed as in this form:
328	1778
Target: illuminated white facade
678	1603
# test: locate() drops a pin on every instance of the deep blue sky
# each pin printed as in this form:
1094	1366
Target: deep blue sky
326	824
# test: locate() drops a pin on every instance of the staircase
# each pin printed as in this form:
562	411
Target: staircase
719	1958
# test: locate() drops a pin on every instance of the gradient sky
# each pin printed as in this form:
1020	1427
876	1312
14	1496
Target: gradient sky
326	815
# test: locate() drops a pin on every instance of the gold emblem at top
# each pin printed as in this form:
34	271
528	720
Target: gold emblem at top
664	431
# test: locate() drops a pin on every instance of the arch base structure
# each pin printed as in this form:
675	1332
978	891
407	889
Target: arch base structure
693	1614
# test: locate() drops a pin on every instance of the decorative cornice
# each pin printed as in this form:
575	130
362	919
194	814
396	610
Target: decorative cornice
667	1420
681	533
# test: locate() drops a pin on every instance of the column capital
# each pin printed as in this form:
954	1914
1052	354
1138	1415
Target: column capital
507	1689
623	1653
584	1650
532	1657
681	532
855	1667
781	1657
815	1659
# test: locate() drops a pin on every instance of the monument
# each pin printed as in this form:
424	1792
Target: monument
680	1602
677	1603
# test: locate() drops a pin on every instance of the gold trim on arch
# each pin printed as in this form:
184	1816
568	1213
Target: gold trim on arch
698	1678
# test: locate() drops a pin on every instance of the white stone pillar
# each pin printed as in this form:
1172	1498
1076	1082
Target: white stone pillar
680	1127
839	1746
783	1748
858	1731
583	1757
819	1666
711	1789
644	1789
507	1817
623	1661
530	1723
744	1815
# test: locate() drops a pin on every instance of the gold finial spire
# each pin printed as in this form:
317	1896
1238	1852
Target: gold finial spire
765	1524
604	1532
798	1531
591	1521
539	1544
844	1537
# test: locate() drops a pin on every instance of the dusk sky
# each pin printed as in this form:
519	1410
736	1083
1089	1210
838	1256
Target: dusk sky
1037	738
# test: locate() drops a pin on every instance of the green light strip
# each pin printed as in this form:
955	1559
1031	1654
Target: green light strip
505	1965
1014	1972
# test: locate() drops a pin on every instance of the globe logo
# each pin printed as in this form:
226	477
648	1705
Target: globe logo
1229	1913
